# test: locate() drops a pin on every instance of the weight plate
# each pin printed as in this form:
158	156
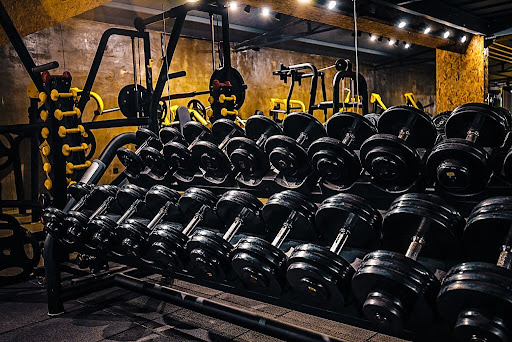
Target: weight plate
338	166
212	161
79	190
168	134
100	231
191	202
346	122
180	159
297	124
393	164
493	124
231	75
367	221
155	161
232	203
132	162
224	127
166	247
458	166
440	121
319	274
132	101
443	228
128	194
132	234
143	134
247	158
507	166
285	155
194	129
258	125
158	196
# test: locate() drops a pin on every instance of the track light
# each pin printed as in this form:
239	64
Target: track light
373	37
427	30
233	6
397	43
247	9
463	39
331	5
265	11
380	39
402	24
407	45
391	42
446	34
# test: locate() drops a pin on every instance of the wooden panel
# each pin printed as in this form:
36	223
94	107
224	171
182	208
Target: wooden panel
31	16
366	24
461	78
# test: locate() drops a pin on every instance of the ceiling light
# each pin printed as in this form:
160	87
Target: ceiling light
407	45
331	5
391	42
463	39
373	37
427	30
446	34
402	24
233	6
304	1
265	12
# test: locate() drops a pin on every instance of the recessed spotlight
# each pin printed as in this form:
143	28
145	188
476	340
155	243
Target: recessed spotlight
380	39
373	37
463	39
233	6
391	42
331	5
427	30
265	11
402	24
446	34
407	45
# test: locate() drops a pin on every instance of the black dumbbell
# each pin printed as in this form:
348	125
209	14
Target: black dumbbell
390	157
132	161
81	192
166	244
210	252
78	222
247	154
288	153
211	157
395	290
334	157
179	156
132	235
261	265
103	227
154	159
459	164
440	123
476	297
320	273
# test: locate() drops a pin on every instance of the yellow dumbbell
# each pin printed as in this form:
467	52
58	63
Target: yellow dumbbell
63	131
70	182
225	112
66	150
55	95
43	115
48	184
223	98
45	132
70	167
59	115
43	97
46	150
47	167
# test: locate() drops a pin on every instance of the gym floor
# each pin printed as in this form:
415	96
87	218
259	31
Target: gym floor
119	315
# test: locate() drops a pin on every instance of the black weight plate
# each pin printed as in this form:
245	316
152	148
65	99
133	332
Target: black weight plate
194	129
193	199
128	103
290	159
440	121
404	217
158	196
209	255
231	204
488	229
132	234
393	164
346	122
128	194
247	158
179	158
297	123
316	272
336	164
168	134
507	166
155	161
334	213
422	132
259	265
166	247
79	190
258	125
132	162
144	134
373	118
281	205
477	299
394	289
223	127
459	166
493	129
101	230
231	75
102	192
212	161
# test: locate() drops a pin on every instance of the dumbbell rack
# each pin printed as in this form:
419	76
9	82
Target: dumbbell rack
350	314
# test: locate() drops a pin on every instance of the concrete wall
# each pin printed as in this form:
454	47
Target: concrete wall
73	44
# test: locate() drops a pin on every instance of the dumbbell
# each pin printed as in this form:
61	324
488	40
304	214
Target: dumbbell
154	159
321	274
78	222
396	290
247	154
131	160
390	157
333	157
133	233
166	244
288	153
261	265
212	159
459	165
179	156
53	217
103	227
476	297
210	252
440	123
